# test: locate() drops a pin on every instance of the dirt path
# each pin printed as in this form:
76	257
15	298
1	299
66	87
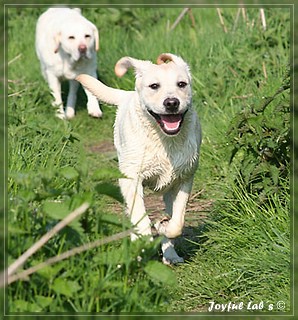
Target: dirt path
196	212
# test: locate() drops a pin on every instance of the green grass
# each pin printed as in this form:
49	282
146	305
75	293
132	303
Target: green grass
250	256
240	253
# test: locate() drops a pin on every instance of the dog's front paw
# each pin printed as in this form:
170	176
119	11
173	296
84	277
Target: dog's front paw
70	112
172	260
95	114
60	114
169	253
94	111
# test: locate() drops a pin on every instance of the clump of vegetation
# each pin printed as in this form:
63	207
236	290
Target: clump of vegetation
260	135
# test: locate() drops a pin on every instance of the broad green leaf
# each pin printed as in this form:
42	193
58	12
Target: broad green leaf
110	190
69	173
274	174
49	272
106	173
43	301
25	306
65	287
56	210
115	220
111	257
20	305
160	273
78	199
27	195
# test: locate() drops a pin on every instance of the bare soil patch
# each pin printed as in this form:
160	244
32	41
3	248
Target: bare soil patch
197	209
102	147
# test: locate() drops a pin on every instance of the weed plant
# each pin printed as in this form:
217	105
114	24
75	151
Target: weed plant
240	253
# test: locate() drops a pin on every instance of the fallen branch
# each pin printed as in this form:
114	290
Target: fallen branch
22	259
14	59
236	19
24	274
243	10
15	94
184	11
221	20
263	19
192	18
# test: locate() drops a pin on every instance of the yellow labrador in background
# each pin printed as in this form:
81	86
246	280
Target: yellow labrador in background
66	45
157	136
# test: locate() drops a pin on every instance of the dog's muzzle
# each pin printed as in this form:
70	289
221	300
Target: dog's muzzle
171	105
82	51
169	123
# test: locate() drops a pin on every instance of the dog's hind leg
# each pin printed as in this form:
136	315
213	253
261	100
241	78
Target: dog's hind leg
132	192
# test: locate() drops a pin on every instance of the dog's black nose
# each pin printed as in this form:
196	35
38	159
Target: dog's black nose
82	48
171	104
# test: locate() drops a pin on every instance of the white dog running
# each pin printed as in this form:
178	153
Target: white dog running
157	136
66	45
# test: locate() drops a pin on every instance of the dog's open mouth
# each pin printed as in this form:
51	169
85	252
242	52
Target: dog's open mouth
169	123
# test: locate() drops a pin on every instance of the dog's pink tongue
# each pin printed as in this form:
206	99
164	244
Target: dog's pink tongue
171	122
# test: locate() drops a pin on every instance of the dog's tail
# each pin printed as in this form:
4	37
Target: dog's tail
101	91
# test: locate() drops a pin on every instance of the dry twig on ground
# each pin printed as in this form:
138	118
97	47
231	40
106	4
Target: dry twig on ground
45	238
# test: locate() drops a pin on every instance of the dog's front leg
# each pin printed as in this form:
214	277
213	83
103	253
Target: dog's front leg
71	99
55	86
132	191
169	254
176	201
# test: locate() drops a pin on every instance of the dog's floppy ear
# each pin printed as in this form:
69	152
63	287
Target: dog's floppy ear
57	38
127	62
167	57
96	35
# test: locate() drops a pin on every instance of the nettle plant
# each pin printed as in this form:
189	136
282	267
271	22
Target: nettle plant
260	135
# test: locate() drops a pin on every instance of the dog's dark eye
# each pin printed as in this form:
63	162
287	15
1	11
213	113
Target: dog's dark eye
87	36
181	84
71	37
154	86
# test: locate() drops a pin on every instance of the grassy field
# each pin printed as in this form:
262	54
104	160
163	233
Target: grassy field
236	240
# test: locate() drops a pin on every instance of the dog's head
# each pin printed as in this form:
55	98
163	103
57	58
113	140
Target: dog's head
164	88
77	38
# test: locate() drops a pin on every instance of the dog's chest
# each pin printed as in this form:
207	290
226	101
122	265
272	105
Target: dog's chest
65	68
162	167
147	154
